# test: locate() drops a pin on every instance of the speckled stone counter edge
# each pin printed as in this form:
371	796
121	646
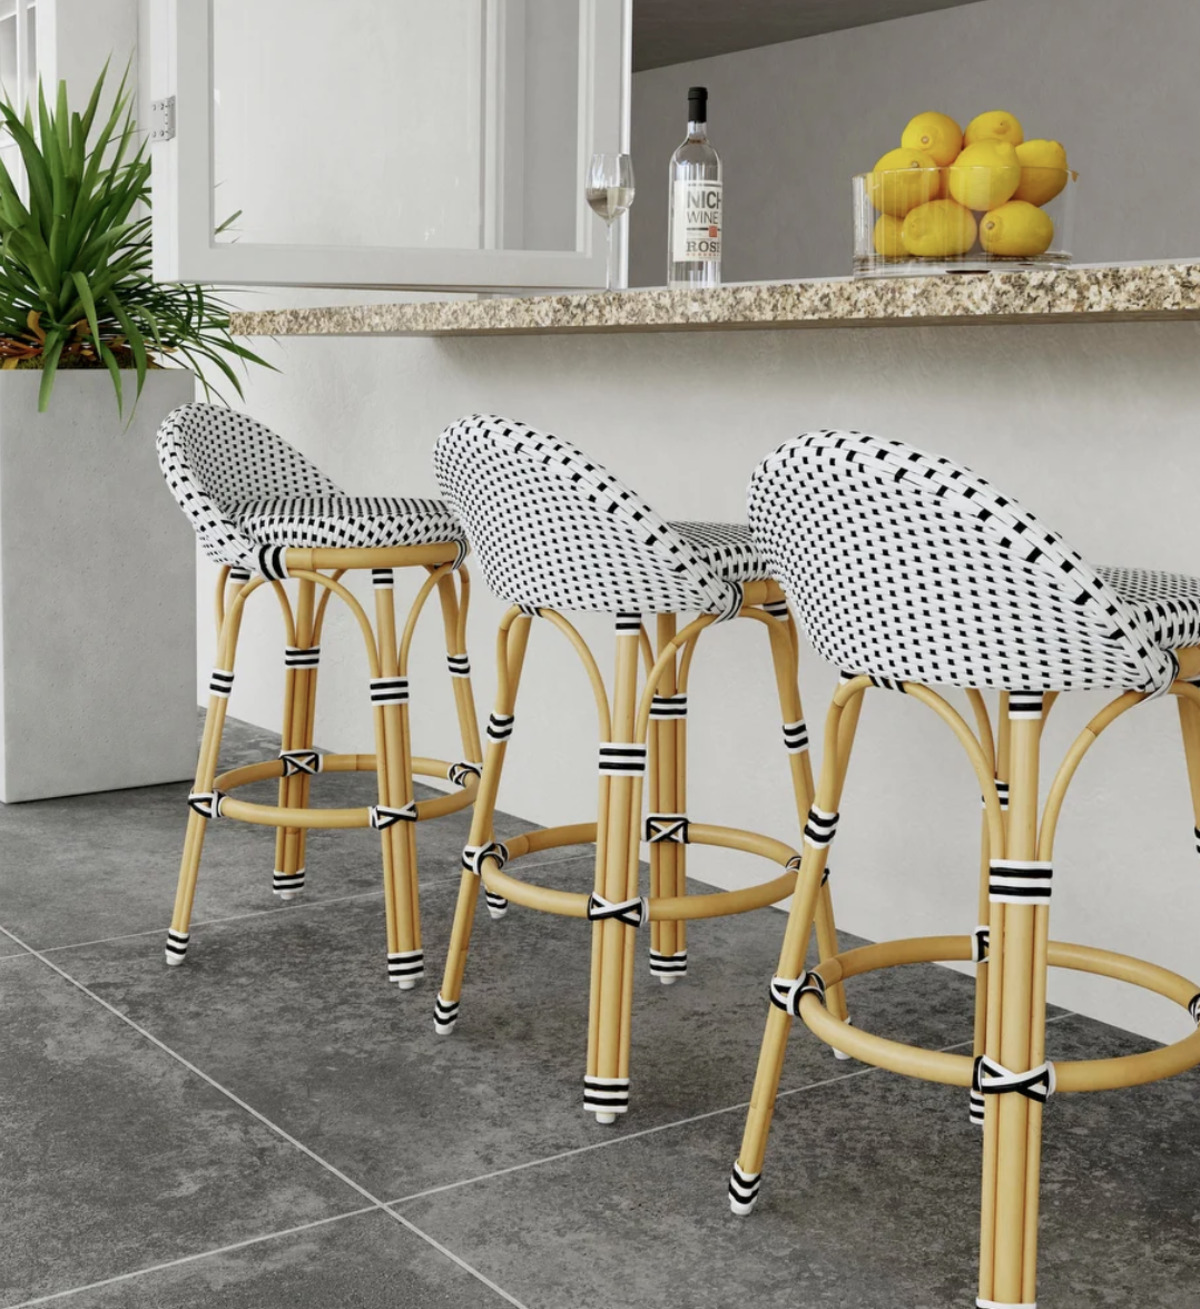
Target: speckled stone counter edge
1121	292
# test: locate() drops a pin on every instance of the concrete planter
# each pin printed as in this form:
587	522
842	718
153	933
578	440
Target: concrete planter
97	591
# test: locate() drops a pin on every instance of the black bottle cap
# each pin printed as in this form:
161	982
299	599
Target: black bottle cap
698	104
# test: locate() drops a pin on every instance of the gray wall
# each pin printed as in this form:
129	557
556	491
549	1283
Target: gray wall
1114	80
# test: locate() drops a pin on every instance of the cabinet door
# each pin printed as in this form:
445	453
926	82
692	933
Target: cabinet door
423	144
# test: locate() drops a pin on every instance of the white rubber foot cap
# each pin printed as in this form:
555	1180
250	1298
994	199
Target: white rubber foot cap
740	1207
288	895
407	983
669	979
443	1029
174	960
496	914
605	1119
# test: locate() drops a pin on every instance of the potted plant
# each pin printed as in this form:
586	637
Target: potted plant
97	565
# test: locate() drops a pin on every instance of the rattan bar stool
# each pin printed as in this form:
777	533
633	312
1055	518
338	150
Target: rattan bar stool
908	570
265	514
554	531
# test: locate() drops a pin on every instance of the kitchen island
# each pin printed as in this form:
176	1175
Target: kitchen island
1076	390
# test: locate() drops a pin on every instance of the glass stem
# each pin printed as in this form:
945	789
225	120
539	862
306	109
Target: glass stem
608	264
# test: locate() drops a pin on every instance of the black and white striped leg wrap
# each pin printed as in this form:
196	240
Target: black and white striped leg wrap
177	944
820	828
383	816
497	905
500	727
272	562
1017	881
530	611
976	1094
459	665
733	603
795	737
458	773
460	557
389	690
383	577
628	624
472	862
981	939
743	1190
296	762
796	862
1025	704
1194	1008
445	1015
787	991
994	1079
301	656
220	683
206	803
622	759
668	965
1196	832
667	829
606	1095
238	576
406	966
633	913
668	706
777	609
286	885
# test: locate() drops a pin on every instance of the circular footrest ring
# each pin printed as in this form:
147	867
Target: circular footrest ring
574	904
956	1069
277	816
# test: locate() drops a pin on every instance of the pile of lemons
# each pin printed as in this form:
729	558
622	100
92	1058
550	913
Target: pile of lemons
929	191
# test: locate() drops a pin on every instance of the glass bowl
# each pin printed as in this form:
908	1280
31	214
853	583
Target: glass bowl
909	221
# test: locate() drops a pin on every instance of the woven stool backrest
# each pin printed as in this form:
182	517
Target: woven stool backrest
905	565
551	527
214	458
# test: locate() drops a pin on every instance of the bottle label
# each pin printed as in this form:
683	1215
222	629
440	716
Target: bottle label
696	229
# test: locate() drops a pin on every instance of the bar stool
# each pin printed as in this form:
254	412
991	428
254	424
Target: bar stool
906	570
554	530
265	513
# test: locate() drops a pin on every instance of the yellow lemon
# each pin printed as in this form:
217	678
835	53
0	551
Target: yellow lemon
1043	171
938	135
938	230
985	175
887	236
995	125
901	180
1016	228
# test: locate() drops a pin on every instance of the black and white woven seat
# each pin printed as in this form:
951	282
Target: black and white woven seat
907	571
266	513
554	530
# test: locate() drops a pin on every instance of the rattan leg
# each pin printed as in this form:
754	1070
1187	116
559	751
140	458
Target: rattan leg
606	1085
297	734
510	659
747	1171
668	780
1189	723
178	934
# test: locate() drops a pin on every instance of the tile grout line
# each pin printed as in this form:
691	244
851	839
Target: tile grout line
665	1127
283	1134
423	887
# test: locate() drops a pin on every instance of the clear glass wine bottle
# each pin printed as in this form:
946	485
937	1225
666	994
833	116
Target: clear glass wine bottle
695	203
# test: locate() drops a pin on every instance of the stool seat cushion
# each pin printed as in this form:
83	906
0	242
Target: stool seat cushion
1169	603
727	548
346	521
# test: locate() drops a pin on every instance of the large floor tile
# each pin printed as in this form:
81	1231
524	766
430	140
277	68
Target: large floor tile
84	868
293	1013
870	1198
365	1262
114	1156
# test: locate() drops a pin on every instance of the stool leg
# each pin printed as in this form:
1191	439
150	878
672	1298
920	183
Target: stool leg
510	658
178	934
405	959
1016	1025
297	734
746	1178
668	795
1189	724
606	1085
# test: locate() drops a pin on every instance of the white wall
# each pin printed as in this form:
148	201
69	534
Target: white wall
1114	80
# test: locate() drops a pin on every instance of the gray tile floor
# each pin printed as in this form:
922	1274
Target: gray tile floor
273	1125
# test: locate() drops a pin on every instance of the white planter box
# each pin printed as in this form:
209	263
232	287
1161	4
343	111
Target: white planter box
97	591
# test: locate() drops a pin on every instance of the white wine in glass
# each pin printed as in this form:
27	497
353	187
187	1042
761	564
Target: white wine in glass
609	191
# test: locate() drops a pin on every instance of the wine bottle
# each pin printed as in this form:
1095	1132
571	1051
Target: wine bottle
695	203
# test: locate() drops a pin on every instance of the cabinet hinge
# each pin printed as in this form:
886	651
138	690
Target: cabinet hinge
162	119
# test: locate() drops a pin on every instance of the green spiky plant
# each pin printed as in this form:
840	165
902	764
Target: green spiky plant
76	289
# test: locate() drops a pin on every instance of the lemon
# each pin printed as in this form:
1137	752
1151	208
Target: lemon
938	230
985	175
938	135
995	125
1016	228
887	236
901	180
1043	171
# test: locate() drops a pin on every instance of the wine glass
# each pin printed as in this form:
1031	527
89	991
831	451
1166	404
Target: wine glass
609	191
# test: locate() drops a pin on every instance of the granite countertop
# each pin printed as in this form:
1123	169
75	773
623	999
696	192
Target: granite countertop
1099	293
